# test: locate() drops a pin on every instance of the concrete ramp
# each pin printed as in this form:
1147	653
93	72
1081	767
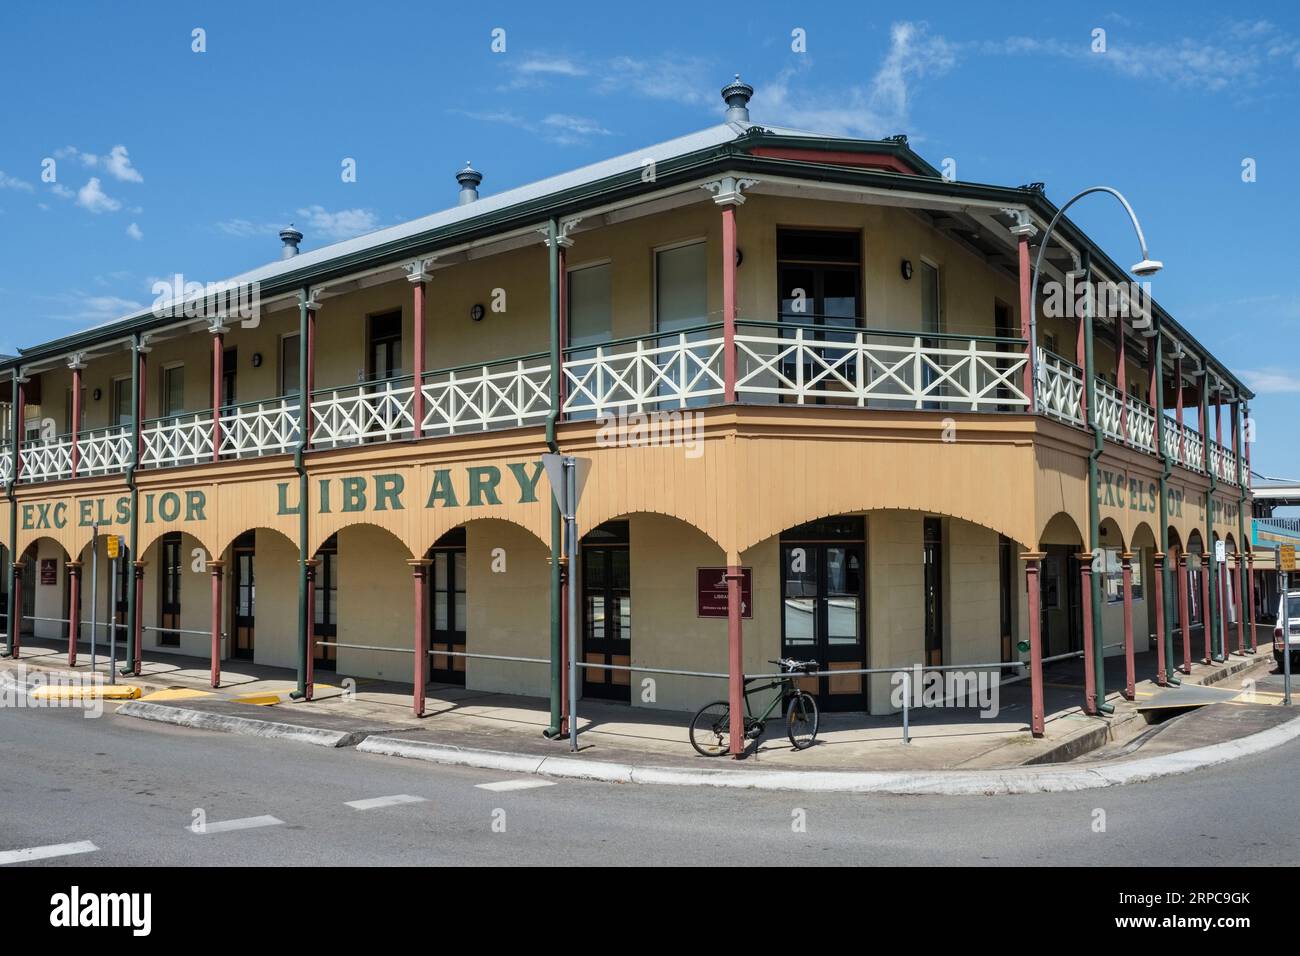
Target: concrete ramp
1185	697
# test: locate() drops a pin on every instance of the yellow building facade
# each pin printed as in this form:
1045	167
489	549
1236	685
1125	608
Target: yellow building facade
803	370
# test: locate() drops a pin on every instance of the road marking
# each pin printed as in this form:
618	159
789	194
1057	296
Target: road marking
45	852
243	823
373	802
514	785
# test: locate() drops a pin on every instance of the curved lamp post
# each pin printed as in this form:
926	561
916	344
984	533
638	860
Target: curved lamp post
1146	266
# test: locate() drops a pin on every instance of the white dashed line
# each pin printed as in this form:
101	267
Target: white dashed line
515	785
45	852
243	823
375	802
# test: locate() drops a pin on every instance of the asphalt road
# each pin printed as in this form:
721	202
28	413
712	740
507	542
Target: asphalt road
132	788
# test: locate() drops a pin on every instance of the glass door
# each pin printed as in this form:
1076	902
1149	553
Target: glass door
325	613
448	609
932	558
245	598
823	611
606	612
169	591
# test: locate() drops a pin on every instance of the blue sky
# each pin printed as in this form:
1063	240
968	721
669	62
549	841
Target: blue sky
168	160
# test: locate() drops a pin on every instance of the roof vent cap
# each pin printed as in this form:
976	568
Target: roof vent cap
290	237
469	178
737	95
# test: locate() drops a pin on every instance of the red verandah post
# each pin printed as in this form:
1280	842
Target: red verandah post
1158	569
1184	599
218	373
729	302
418	568
735	662
1129	675
215	567
1037	719
74	610
1089	673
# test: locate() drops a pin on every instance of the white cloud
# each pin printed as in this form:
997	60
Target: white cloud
1272	381
62	191
559	66
689	80
90	309
92	197
12	182
71	152
344	224
118	165
133	231
243	228
562	128
879	108
1239	56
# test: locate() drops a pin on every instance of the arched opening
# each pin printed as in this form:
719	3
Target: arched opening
260	598
45	591
1061	586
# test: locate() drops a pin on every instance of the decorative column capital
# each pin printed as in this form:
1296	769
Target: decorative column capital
216	566
77	361
1033	555
563	240
143	346
74	567
419	270
729	190
218	326
1022	225
311	299
418	566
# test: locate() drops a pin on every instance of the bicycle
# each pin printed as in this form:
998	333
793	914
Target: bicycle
711	725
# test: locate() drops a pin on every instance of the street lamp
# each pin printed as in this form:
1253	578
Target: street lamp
1146	266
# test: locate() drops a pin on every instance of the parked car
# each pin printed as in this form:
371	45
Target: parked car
1293	639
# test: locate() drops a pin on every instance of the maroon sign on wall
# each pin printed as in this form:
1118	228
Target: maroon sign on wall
711	592
49	571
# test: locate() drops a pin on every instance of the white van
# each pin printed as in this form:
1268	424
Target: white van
1293	639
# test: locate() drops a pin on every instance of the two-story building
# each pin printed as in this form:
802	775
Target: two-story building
822	418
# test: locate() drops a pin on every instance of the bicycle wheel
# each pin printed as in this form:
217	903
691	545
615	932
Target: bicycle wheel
801	721
711	729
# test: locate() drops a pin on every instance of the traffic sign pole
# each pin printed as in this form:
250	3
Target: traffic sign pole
1285	565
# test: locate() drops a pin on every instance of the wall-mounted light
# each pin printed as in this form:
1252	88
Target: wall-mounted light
476	312
97	394
257	360
740	256
906	269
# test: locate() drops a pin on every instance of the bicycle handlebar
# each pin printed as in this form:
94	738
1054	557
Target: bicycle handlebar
790	665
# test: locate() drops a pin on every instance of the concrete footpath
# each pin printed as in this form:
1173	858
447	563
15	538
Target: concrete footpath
952	750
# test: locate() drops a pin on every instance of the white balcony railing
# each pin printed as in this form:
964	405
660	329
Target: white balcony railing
1060	388
375	411
499	395
47	459
1110	409
664	371
862	368
6	465
1140	424
104	451
259	428
176	440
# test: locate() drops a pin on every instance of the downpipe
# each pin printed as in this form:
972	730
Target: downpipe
554	729
299	465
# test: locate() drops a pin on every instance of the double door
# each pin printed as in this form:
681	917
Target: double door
822	616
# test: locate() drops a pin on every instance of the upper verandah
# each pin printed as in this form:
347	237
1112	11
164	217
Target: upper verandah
969	361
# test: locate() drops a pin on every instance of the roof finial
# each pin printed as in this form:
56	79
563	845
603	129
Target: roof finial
737	95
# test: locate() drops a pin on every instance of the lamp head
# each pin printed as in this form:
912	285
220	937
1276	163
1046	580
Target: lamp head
1147	267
